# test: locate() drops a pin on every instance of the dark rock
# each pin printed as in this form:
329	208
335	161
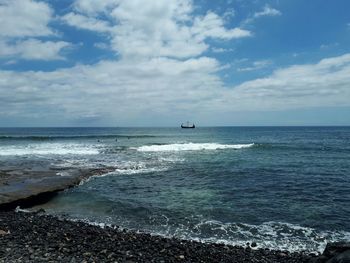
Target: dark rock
337	252
335	248
341	258
319	259
25	188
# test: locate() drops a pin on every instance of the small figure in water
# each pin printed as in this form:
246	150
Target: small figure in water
116	139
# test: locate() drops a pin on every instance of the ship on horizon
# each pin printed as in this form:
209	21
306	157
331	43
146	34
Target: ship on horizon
188	125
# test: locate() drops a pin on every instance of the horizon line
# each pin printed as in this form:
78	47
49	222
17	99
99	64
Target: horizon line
205	126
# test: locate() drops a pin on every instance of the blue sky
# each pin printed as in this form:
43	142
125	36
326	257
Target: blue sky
161	62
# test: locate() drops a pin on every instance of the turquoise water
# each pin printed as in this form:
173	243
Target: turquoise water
283	187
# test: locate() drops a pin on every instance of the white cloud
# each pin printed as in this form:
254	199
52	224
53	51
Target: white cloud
267	11
229	13
256	65
23	20
84	22
101	45
94	7
118	90
315	85
329	46
211	25
222	50
146	86
156	29
11	62
33	49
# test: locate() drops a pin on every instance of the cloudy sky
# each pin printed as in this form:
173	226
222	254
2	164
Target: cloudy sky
162	62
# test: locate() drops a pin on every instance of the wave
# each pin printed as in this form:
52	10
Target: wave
191	147
48	149
127	168
271	235
69	137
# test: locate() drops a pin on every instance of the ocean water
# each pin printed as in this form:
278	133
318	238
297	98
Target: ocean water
282	187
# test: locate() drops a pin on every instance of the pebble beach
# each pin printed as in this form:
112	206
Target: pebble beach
36	237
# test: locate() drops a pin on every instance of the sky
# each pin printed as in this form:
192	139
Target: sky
163	62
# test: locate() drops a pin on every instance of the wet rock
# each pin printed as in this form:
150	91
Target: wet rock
26	187
335	248
337	252
343	257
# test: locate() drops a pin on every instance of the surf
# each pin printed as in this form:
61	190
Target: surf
48	149
176	147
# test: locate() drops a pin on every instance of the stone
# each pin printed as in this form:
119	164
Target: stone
2	232
341	258
335	248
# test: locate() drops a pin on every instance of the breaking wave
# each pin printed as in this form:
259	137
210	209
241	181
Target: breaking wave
191	147
271	235
128	168
48	149
268	235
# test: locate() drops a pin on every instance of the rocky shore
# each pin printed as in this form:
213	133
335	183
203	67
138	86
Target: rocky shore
37	237
24	187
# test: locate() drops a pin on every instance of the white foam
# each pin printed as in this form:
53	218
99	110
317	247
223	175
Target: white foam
272	235
48	149
138	171
19	209
191	147
127	168
64	174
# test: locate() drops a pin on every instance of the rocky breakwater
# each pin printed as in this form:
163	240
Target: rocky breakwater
26	187
33	237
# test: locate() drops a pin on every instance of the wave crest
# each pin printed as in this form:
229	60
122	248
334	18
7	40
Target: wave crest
191	147
48	149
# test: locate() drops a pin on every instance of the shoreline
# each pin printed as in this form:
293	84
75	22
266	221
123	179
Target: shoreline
37	237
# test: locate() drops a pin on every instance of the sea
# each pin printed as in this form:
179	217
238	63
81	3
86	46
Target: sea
282	187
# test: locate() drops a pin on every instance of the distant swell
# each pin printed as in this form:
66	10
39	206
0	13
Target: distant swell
67	137
191	147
